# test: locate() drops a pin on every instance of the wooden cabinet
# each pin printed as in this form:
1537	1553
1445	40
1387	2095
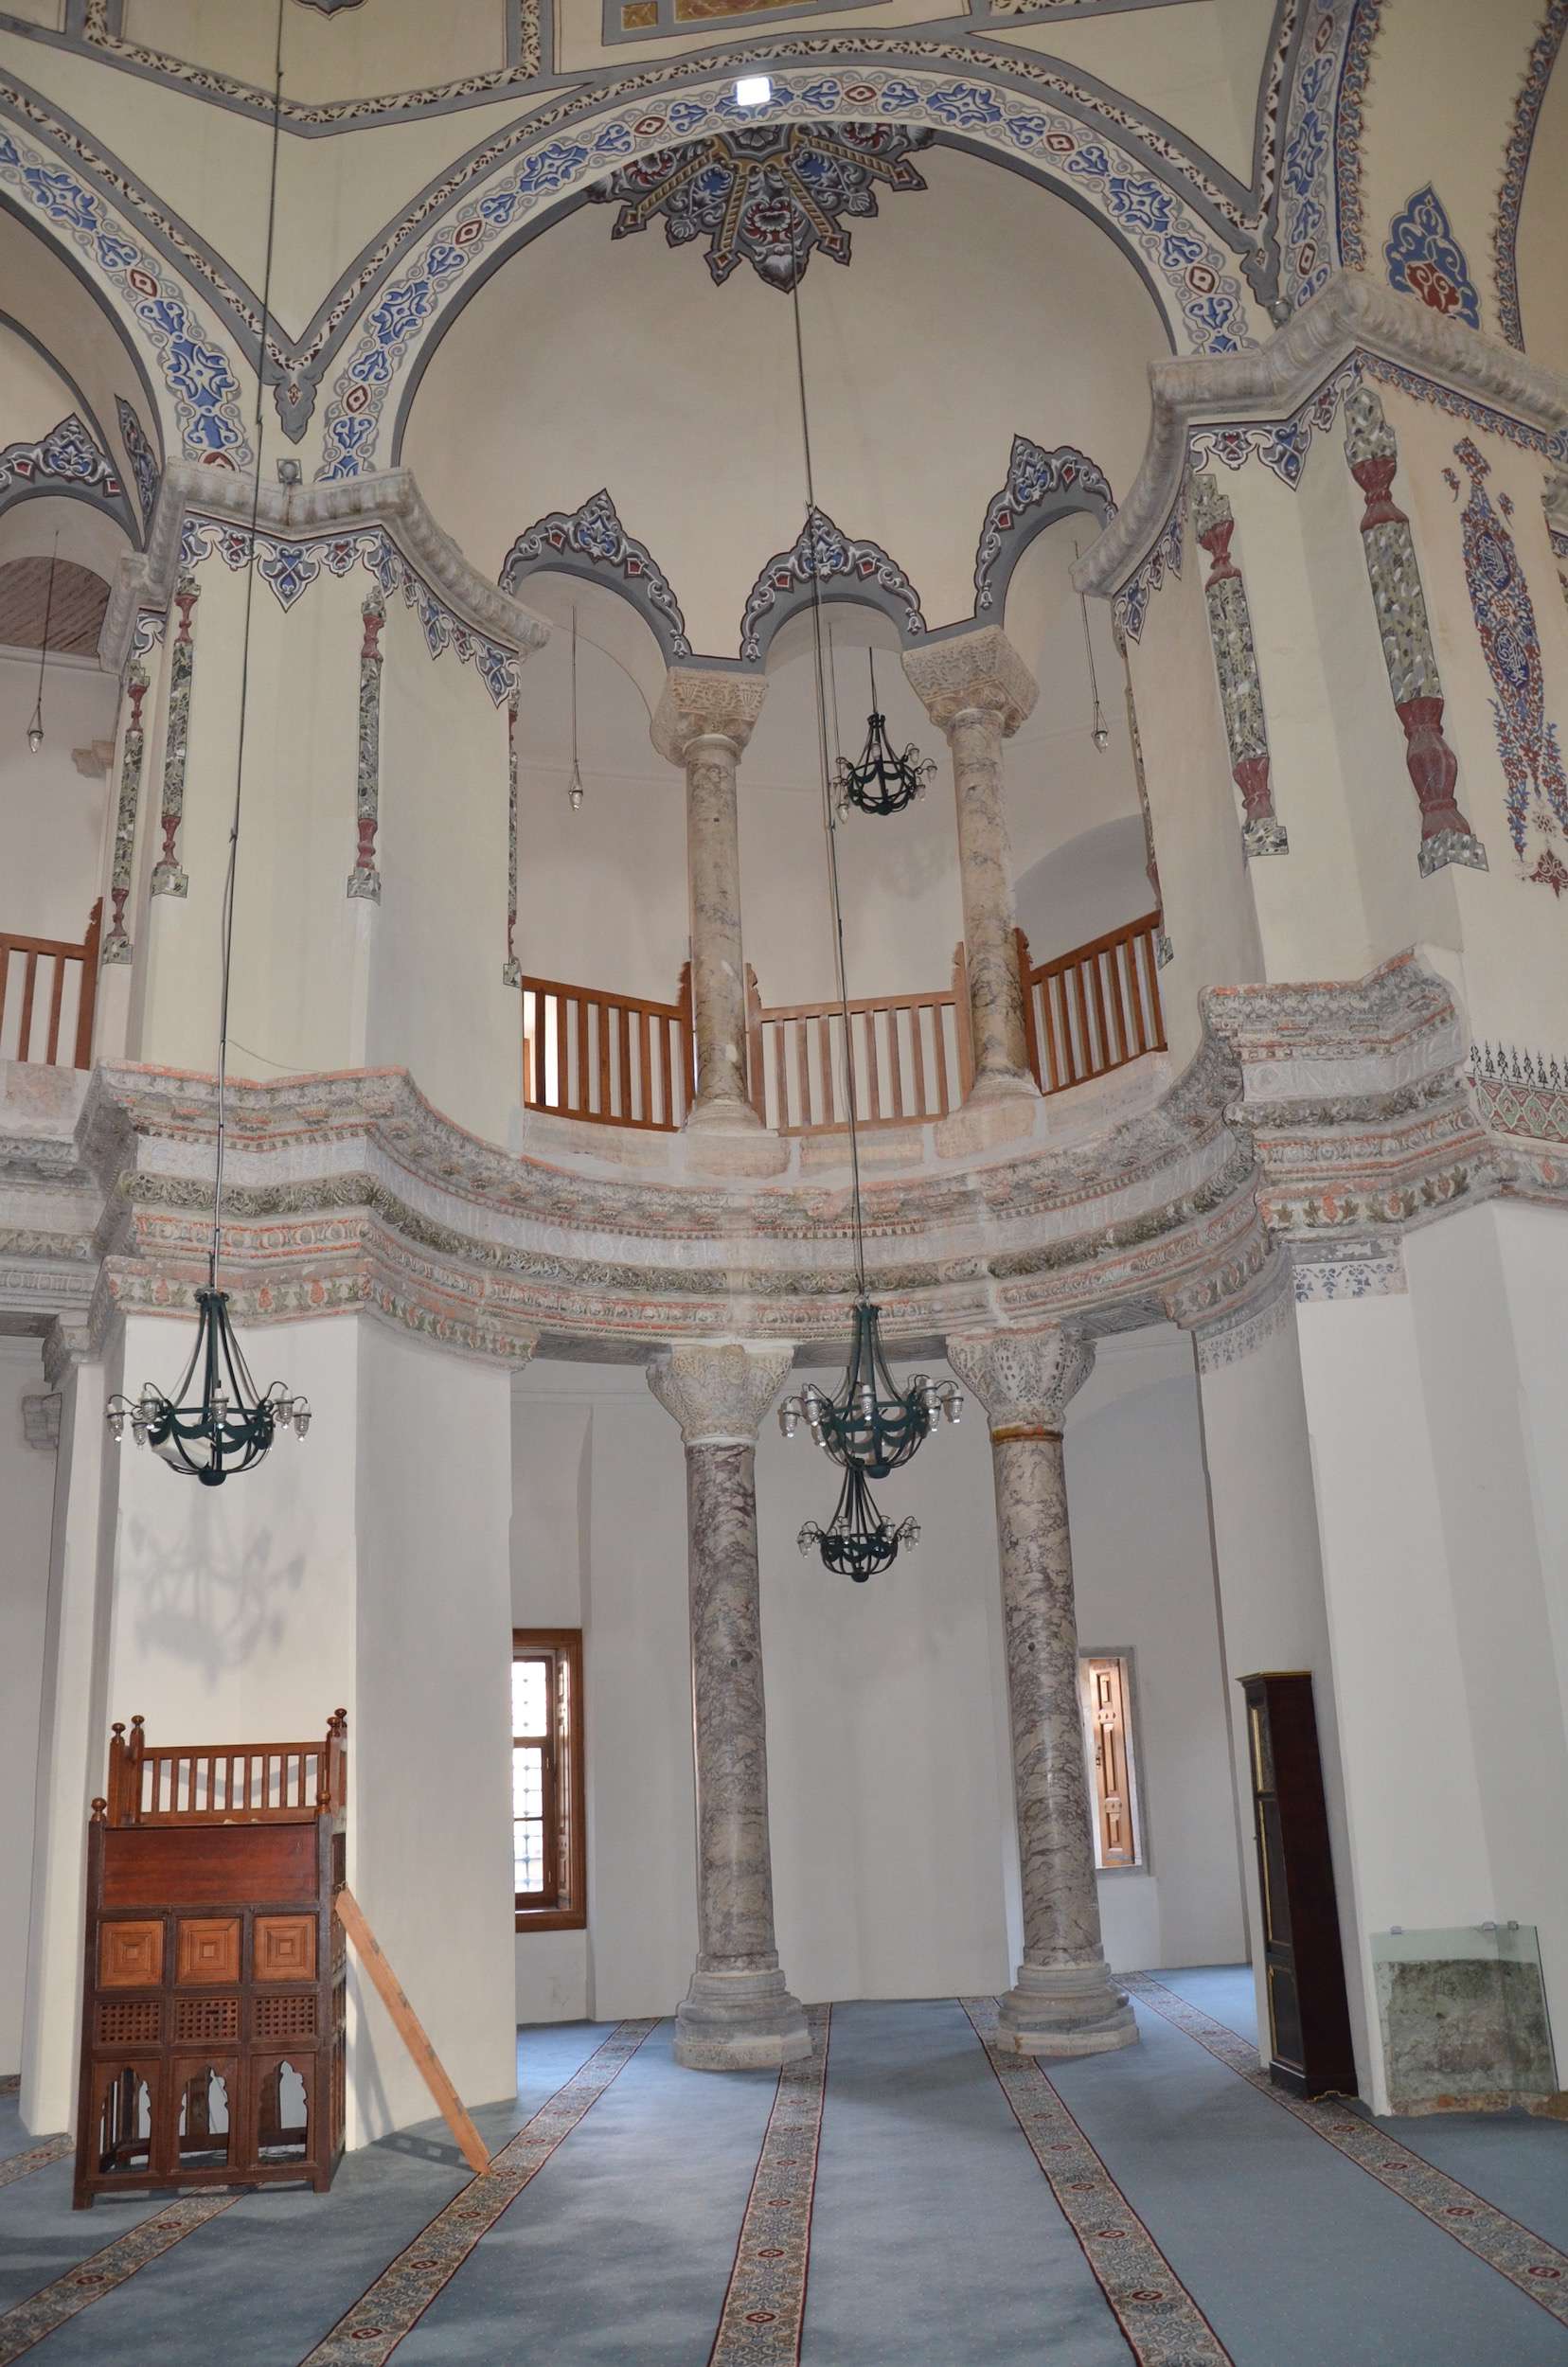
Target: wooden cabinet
1308	2018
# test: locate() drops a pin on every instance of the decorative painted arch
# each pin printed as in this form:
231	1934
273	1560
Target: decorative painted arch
846	570
1042	487
1528	102
67	461
1153	221
591	543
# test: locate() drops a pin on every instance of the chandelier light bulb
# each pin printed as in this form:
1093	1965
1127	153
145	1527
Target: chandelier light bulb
35	737
574	794
1101	732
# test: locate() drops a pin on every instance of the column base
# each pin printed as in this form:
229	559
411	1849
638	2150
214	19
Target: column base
1065	2009
739	2021
723	1114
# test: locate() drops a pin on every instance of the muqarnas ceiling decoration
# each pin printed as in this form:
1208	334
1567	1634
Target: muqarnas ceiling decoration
767	195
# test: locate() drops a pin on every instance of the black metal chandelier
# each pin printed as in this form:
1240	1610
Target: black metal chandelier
868	1426
881	781
217	1422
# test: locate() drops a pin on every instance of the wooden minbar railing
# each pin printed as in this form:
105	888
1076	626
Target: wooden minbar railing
910	1054
213	2028
612	1057
1094	1009
47	991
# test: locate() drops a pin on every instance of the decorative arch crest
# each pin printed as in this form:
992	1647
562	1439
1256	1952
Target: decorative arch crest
591	543
846	570
1042	486
70	461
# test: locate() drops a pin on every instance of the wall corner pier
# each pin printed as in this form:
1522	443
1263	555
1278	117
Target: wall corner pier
738	2014
1064	2002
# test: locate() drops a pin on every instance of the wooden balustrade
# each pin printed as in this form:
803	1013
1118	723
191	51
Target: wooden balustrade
1094	1009
612	1057
268	1782
910	1053
47	991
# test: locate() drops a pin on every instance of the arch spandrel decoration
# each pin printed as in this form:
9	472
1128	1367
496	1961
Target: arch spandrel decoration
68	460
591	543
1042	486
847	570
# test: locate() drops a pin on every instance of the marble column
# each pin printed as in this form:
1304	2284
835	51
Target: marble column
1064	2001
978	690
737	2014
702	723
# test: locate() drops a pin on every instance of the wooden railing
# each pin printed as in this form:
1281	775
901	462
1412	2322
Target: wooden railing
612	1057
1092	1009
271	1782
47	991
910	1056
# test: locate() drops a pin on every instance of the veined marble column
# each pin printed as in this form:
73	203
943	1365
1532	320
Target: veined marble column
978	690
737	2014
704	721
1064	2001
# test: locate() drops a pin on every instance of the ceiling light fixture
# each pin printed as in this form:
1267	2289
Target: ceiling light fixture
1100	729
35	729
575	791
881	782
752	89
217	1422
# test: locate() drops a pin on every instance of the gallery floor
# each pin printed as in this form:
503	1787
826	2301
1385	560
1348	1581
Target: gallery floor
904	2200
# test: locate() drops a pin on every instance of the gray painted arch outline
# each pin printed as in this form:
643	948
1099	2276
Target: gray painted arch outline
1042	487
824	559
590	543
69	461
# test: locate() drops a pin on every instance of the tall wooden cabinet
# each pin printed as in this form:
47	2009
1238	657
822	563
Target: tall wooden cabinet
1309	2016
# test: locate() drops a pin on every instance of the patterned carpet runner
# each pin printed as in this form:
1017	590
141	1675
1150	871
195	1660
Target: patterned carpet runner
31	2319
1525	2259
765	2307
1163	2323
39	2158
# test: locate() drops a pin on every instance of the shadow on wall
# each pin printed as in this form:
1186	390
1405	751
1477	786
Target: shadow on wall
199	1604
1095	883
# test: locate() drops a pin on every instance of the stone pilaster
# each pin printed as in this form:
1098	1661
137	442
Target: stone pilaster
737	2014
1236	663
364	879
1064	2001
702	723
117	941
168	877
978	690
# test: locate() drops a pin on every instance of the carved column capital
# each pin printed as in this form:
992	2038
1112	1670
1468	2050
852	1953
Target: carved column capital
971	671
718	1389
697	703
1025	1380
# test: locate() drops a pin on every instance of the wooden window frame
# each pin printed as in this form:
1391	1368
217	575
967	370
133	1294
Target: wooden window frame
1133	1789
565	1908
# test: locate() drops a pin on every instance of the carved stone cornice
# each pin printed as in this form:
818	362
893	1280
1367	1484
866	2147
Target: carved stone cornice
972	670
390	499
1025	1380
1352	312
699	703
718	1389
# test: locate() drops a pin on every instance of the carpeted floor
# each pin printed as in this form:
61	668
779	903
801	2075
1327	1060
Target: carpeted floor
907	2198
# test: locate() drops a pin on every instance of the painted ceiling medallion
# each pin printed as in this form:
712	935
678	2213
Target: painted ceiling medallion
768	194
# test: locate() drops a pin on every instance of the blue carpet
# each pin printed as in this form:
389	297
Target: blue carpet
13	2137
1226	1991
1511	2159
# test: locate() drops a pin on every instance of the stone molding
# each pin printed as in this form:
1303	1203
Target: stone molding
1025	1380
719	1391
698	702
979	670
41	1420
390	499
1268	381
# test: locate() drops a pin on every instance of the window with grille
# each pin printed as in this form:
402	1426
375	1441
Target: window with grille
549	1866
1107	1683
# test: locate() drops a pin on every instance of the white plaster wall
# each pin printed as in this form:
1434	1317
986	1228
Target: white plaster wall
51	817
26	1493
551	1529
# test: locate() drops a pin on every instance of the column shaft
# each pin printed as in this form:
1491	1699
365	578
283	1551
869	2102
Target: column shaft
718	964
995	988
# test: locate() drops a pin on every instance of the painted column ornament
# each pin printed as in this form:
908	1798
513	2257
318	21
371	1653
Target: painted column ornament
364	879
978	689
1395	575
116	942
167	877
511	969
1236	662
1064	2001
737	2014
704	721
1164	950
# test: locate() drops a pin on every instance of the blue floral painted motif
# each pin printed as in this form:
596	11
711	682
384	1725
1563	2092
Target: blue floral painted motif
1425	260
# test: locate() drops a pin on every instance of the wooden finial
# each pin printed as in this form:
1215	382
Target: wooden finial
100	1809
119	1726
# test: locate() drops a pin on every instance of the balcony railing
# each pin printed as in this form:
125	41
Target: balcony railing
47	989
1094	1009
611	1058
910	1054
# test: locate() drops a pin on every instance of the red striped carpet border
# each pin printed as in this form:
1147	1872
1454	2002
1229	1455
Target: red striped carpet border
388	2310
28	2321
1163	2325
37	2158
765	2305
1514	2251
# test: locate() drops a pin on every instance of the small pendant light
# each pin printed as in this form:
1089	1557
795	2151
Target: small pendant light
575	791
35	729
1100	729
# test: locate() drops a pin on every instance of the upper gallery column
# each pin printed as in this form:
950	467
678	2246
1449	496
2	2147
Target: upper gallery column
738	2013
1064	2001
978	690
704	721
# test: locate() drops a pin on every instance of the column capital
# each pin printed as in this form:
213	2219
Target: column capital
697	702
972	669
718	1389
1025	1380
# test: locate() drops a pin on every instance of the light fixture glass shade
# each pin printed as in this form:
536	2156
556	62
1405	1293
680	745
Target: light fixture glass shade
35	738
217	1422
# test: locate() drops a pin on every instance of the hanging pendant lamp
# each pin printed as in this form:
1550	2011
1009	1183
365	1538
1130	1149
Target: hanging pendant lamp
881	781
35	728
1100	729
217	1421
868	1425
575	791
